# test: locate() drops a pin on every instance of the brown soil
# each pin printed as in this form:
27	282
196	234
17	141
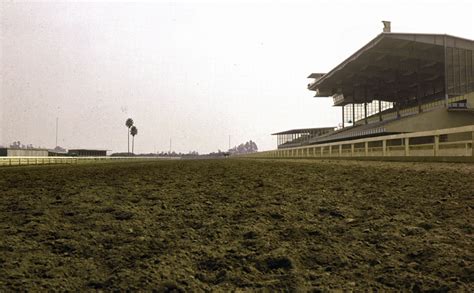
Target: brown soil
237	224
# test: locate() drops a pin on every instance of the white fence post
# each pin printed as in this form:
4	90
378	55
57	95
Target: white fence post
407	146
472	144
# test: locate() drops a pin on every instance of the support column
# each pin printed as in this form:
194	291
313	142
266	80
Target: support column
366	147
340	150
353	113
384	147
343	116
365	105
352	149
365	113
380	110
322	151
418	90
330	150
436	146
445	72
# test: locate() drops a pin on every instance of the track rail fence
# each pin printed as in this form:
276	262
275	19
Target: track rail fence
450	142
19	161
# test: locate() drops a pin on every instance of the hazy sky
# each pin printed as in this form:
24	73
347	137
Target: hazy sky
193	71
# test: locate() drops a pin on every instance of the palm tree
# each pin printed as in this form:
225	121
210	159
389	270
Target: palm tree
133	132
128	123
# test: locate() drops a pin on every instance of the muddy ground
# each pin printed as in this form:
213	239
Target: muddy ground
237	224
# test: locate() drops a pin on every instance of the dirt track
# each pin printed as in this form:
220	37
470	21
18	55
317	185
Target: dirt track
228	224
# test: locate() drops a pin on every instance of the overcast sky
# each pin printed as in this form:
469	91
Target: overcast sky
193	71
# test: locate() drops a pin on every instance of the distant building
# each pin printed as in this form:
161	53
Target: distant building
54	153
87	153
20	152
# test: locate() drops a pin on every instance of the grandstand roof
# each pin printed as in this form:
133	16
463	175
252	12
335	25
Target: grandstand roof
303	130
394	66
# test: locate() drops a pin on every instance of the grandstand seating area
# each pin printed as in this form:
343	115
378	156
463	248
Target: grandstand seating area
398	83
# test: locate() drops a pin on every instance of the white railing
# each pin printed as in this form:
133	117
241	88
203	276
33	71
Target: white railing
398	145
19	161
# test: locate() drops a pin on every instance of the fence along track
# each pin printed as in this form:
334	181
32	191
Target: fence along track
450	142
23	161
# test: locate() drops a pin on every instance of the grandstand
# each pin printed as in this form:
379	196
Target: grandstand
297	137
398	83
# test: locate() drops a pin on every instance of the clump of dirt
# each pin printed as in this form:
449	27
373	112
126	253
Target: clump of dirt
179	226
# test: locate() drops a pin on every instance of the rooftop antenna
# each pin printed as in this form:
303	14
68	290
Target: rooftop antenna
386	26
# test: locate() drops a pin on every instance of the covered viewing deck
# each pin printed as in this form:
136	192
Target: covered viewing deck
397	83
397	76
396	71
302	136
